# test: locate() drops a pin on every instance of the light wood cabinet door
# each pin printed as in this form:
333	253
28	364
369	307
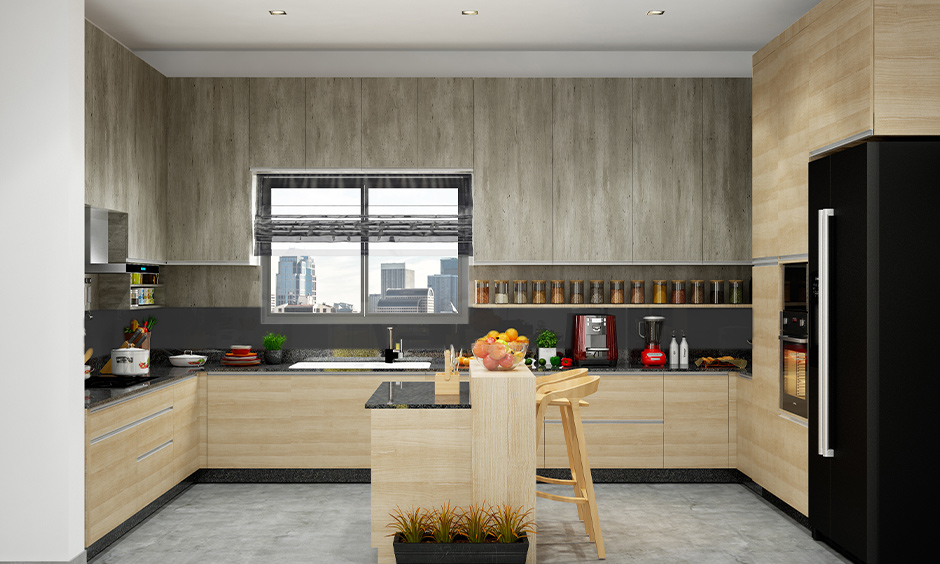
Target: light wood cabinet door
186	420
276	122
765	152
208	182
695	414
592	172
512	162
248	422
333	122
389	122
667	164
445	123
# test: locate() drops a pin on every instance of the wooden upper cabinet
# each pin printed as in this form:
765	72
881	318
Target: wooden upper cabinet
389	122
512	162
445	123
333	122
208	185
592	172
276	122
765	155
667	164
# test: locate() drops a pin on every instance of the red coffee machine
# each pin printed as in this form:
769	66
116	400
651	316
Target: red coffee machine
595	340
651	329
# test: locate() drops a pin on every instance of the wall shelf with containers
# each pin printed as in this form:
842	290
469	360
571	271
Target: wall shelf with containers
130	290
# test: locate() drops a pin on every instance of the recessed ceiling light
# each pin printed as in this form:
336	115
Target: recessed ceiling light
469	13
656	12
277	12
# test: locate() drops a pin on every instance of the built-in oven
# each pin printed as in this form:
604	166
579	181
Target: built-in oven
793	339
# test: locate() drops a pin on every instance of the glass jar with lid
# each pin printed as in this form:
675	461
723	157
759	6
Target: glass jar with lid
539	292
482	291
616	291
557	292
698	292
577	291
716	291
501	291
659	291
520	291
597	291
637	291
678	292
735	291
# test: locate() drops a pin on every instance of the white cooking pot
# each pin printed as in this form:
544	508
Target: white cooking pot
130	362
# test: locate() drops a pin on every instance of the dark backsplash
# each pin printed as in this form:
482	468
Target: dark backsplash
207	328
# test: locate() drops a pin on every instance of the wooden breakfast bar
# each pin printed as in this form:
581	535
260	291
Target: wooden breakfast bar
429	450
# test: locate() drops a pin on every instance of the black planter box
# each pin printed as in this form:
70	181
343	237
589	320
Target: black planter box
461	552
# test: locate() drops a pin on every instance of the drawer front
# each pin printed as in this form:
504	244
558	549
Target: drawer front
110	418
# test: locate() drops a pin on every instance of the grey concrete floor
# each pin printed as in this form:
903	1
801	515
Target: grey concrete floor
329	523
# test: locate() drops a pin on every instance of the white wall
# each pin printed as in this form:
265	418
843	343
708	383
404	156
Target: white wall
41	232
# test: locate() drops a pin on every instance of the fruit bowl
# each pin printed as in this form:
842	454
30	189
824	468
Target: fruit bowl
499	355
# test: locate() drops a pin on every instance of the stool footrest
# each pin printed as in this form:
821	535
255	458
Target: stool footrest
566	498
559	481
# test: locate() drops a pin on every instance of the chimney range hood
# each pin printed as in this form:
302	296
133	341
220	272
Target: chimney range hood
106	243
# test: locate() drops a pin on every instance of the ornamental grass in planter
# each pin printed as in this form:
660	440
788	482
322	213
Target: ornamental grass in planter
451	535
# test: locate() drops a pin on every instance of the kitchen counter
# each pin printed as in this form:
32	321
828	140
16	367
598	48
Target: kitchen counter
416	395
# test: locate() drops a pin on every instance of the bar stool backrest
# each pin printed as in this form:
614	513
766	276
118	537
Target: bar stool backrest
558	377
572	389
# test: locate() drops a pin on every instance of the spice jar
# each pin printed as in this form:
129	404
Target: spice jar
698	292
520	291
616	291
716	292
558	292
637	291
659	291
678	292
577	291
502	291
539	291
483	291
735	291
597	291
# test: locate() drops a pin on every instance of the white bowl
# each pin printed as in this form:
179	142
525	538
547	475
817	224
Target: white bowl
188	359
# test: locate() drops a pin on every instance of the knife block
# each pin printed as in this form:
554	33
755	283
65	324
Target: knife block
447	383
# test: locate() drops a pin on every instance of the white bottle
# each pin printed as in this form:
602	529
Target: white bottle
684	353
673	352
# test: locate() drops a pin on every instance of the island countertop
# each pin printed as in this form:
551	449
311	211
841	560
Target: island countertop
416	395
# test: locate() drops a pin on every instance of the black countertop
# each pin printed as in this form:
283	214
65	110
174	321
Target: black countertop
416	395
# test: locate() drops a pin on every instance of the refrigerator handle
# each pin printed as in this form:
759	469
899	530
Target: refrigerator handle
823	318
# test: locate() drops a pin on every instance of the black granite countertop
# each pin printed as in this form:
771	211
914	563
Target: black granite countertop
416	395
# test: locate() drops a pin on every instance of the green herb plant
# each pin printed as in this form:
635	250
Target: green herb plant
273	341
476	523
546	340
411	526
509	524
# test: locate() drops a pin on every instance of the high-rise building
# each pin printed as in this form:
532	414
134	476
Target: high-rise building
395	275
296	281
445	292
406	300
449	266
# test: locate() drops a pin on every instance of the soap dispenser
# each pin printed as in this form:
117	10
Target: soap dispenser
673	352
684	352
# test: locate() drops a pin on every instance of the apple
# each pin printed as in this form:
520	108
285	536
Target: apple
490	363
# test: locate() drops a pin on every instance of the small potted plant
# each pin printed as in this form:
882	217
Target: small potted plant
272	348
546	342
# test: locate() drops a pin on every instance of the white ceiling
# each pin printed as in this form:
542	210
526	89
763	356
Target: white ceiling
556	37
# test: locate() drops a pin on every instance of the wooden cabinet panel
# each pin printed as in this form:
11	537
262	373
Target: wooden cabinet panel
389	122
592	172
512	161
276	122
334	123
445	123
726	166
186	422
695	410
208	183
667	164
766	152
248	421
609	445
154	458
110	482
907	67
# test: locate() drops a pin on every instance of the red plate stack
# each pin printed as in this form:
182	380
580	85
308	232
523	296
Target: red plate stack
240	355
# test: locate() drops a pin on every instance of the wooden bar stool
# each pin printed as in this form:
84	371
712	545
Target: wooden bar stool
567	394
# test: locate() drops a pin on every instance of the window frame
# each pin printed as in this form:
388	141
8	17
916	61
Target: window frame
364	317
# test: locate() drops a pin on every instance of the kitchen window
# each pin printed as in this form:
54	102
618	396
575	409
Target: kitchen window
363	247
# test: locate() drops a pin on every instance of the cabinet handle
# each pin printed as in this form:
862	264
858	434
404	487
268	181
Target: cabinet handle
154	451
824	448
119	430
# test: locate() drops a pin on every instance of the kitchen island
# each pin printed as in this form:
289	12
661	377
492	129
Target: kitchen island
475	448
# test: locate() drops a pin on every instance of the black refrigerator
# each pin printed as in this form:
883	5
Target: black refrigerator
874	233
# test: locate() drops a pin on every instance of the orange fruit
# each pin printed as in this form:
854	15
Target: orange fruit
522	339
511	334
494	333
502	337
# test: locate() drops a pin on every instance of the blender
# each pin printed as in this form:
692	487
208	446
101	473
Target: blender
652	355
